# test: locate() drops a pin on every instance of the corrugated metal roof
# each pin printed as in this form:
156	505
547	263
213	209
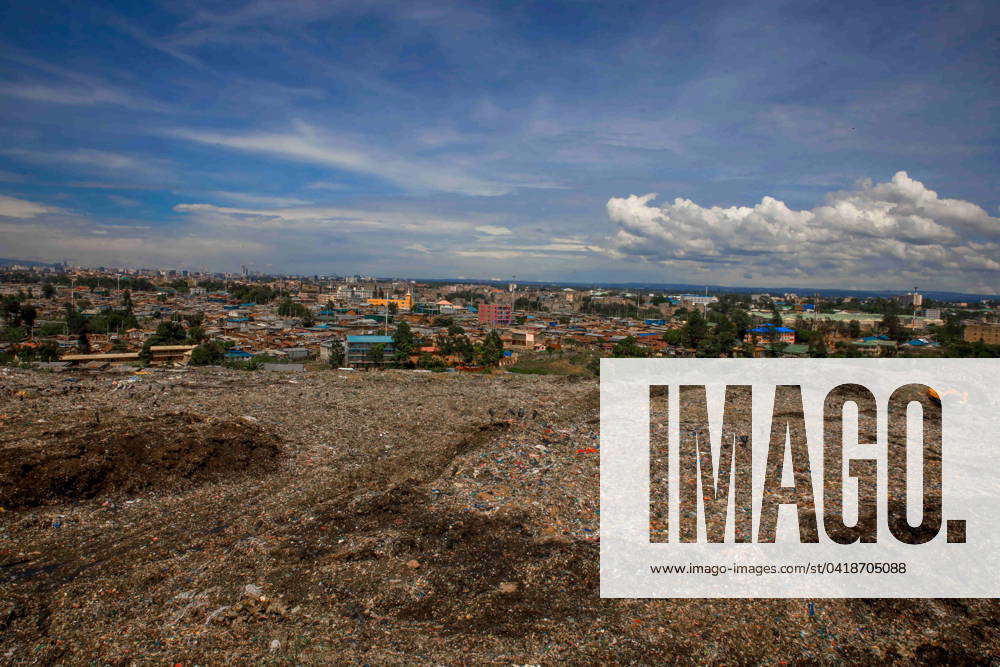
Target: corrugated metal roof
369	339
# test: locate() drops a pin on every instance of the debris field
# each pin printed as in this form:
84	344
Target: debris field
205	516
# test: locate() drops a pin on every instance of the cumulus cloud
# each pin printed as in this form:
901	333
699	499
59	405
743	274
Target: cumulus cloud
893	230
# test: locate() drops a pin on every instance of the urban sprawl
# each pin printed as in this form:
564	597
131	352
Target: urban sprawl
106	319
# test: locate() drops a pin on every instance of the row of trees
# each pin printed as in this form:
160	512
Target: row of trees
289	308
454	342
253	293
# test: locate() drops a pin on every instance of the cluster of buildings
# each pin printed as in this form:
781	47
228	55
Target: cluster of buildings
298	319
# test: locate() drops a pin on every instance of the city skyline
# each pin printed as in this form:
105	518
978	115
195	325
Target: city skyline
784	144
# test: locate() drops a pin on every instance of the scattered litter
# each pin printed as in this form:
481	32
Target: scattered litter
487	483
253	591
508	587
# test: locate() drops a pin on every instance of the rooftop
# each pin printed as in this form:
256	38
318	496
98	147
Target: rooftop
369	339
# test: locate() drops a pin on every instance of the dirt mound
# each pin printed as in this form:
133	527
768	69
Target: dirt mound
128	456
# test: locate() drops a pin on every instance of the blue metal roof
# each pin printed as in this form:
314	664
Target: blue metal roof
369	339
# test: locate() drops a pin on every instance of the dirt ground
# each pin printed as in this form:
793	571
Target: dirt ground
213	516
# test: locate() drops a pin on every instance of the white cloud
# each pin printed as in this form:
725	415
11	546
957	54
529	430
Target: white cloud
55	234
86	157
306	144
20	208
258	200
888	231
327	218
76	95
124	201
493	230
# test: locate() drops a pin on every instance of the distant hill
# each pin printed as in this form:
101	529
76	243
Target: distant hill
718	289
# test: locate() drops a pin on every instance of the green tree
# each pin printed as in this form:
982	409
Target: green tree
195	319
817	346
376	354
51	329
11	307
170	333
48	351
952	331
720	341
167	333
28	315
492	349
195	334
13	334
629	347
48	291
854	329
286	308
209	353
892	327
694	330
289	308
674	336
336	355
403	342
111	320
429	362
82	343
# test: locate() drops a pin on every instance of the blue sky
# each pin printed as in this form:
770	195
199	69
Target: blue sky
841	145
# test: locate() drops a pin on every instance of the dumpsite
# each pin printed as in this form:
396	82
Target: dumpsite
205	516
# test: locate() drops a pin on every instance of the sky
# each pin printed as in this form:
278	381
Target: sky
848	145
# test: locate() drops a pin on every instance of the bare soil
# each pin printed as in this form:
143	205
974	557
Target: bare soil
128	455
